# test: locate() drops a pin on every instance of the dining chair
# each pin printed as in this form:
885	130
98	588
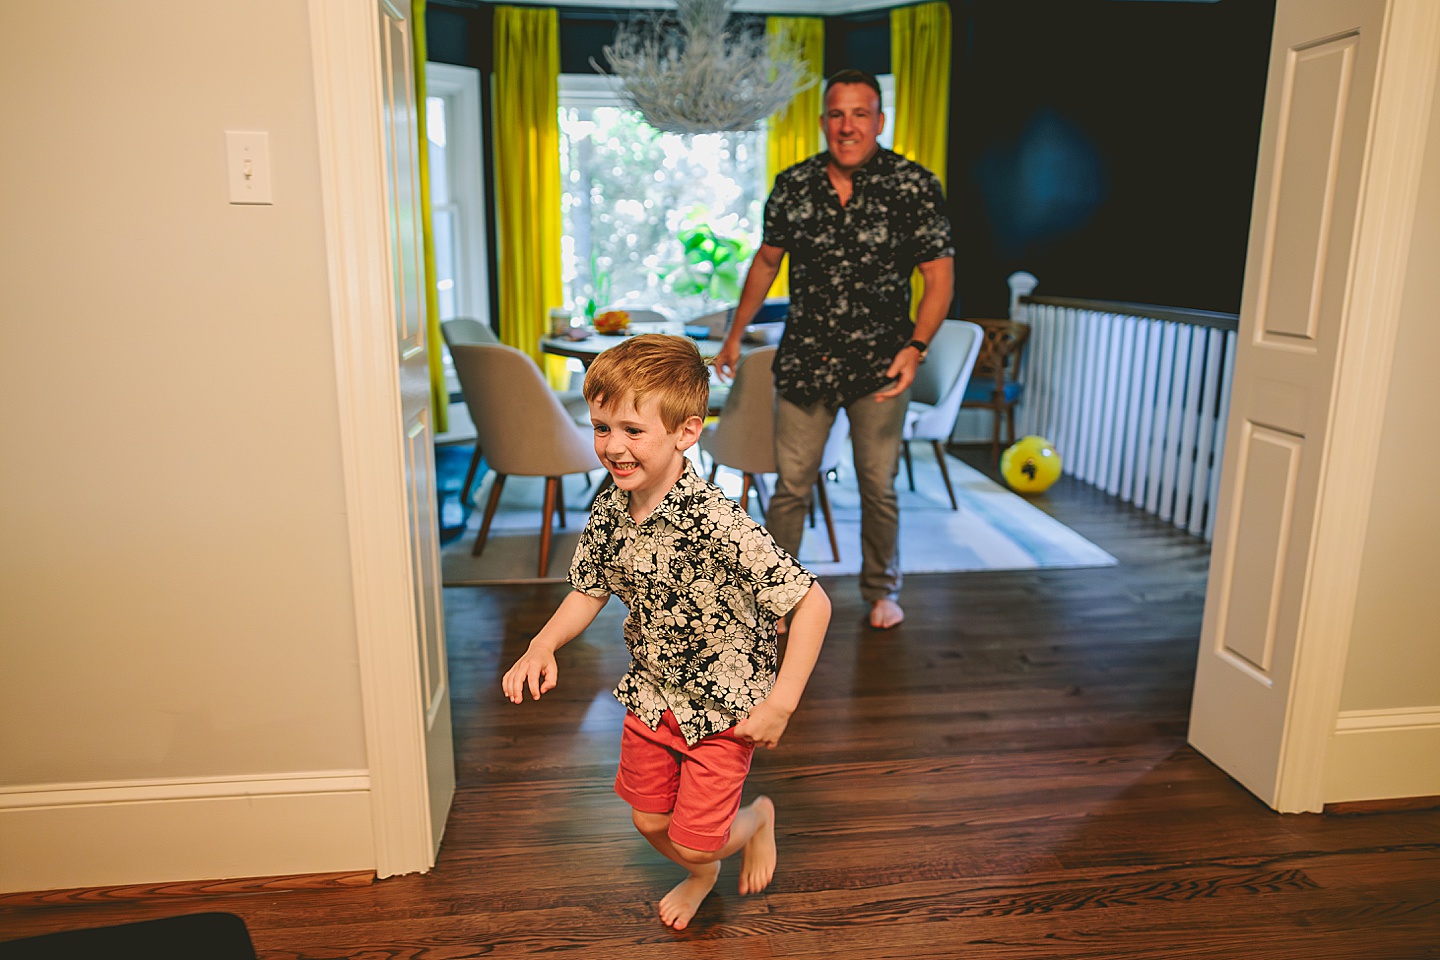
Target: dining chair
995	385
937	391
467	330
743	439
524	430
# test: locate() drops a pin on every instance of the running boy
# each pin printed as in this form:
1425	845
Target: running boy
704	585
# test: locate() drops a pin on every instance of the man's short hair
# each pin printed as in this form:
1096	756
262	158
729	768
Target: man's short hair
659	365
853	76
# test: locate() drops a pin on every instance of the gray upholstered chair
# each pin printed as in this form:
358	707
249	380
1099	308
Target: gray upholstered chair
462	330
743	439
937	391
466	330
523	429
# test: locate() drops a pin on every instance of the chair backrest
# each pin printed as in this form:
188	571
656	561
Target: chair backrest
999	358
744	437
940	381
520	424
466	330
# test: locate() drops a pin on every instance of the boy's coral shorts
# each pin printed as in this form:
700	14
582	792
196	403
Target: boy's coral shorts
698	785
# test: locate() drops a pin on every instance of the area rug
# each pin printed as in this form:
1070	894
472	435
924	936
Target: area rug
994	529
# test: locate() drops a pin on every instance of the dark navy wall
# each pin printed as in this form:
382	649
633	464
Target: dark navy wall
1107	147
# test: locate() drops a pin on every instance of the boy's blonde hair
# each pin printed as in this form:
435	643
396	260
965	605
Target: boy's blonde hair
658	365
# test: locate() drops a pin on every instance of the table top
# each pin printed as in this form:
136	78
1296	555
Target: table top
597	343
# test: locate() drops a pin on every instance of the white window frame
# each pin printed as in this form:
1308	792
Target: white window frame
465	150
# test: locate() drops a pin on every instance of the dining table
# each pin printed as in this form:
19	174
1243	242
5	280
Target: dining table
587	348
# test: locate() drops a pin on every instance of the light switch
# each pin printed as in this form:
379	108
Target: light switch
249	163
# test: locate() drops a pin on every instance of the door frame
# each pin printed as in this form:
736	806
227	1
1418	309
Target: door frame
1390	183
348	100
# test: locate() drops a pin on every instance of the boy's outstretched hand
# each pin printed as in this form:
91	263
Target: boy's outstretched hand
536	669
764	726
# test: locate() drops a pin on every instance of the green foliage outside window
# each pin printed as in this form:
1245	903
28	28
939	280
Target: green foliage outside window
652	219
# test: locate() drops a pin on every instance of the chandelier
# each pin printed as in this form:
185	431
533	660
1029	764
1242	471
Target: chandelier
687	73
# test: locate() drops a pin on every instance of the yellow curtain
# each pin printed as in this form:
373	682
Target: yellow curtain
527	176
920	60
793	134
439	395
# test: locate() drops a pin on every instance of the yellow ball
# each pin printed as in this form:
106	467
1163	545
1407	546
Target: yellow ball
1030	465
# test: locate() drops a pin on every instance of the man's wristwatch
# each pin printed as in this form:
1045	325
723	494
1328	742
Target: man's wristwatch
920	346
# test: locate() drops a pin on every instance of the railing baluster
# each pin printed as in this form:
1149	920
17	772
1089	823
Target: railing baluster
1220	418
1200	502
1189	425
1125	345
1154	475
1149	385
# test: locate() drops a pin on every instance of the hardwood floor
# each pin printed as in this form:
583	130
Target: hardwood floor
1003	776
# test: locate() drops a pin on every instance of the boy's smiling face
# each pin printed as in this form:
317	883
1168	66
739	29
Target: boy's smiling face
643	456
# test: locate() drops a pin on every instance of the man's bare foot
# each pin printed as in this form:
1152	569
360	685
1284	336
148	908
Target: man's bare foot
885	613
680	904
758	863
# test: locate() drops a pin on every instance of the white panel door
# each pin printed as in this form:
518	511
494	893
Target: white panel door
402	175
1293	315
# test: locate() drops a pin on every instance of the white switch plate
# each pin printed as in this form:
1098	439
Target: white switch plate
249	163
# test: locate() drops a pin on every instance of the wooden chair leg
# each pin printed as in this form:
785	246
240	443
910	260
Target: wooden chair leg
824	499
560	499
762	497
1010	421
546	520
909	467
945	472
745	482
490	506
470	477
995	438
714	469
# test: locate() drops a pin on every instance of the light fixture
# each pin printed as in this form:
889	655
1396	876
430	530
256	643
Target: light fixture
687	72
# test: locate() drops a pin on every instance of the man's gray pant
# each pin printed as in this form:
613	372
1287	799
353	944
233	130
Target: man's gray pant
875	430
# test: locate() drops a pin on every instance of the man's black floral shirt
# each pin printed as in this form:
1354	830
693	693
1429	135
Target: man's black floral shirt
705	585
850	271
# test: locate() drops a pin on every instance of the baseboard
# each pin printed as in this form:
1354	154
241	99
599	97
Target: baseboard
56	836
1384	754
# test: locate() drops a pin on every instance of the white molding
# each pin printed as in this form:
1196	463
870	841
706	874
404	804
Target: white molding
348	105
1390	183
1383	754
57	836
182	788
1399	718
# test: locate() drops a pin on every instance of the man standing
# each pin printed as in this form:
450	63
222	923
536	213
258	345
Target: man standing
855	220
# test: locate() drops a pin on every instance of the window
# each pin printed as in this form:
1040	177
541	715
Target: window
457	191
634	198
631	192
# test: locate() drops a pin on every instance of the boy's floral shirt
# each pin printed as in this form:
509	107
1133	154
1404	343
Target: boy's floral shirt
705	585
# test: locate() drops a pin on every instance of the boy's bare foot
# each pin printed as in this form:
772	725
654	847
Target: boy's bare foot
680	904
758	863
885	613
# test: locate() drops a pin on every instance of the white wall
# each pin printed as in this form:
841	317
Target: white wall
1390	702
177	638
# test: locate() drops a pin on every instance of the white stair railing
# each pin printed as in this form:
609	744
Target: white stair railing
1134	398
